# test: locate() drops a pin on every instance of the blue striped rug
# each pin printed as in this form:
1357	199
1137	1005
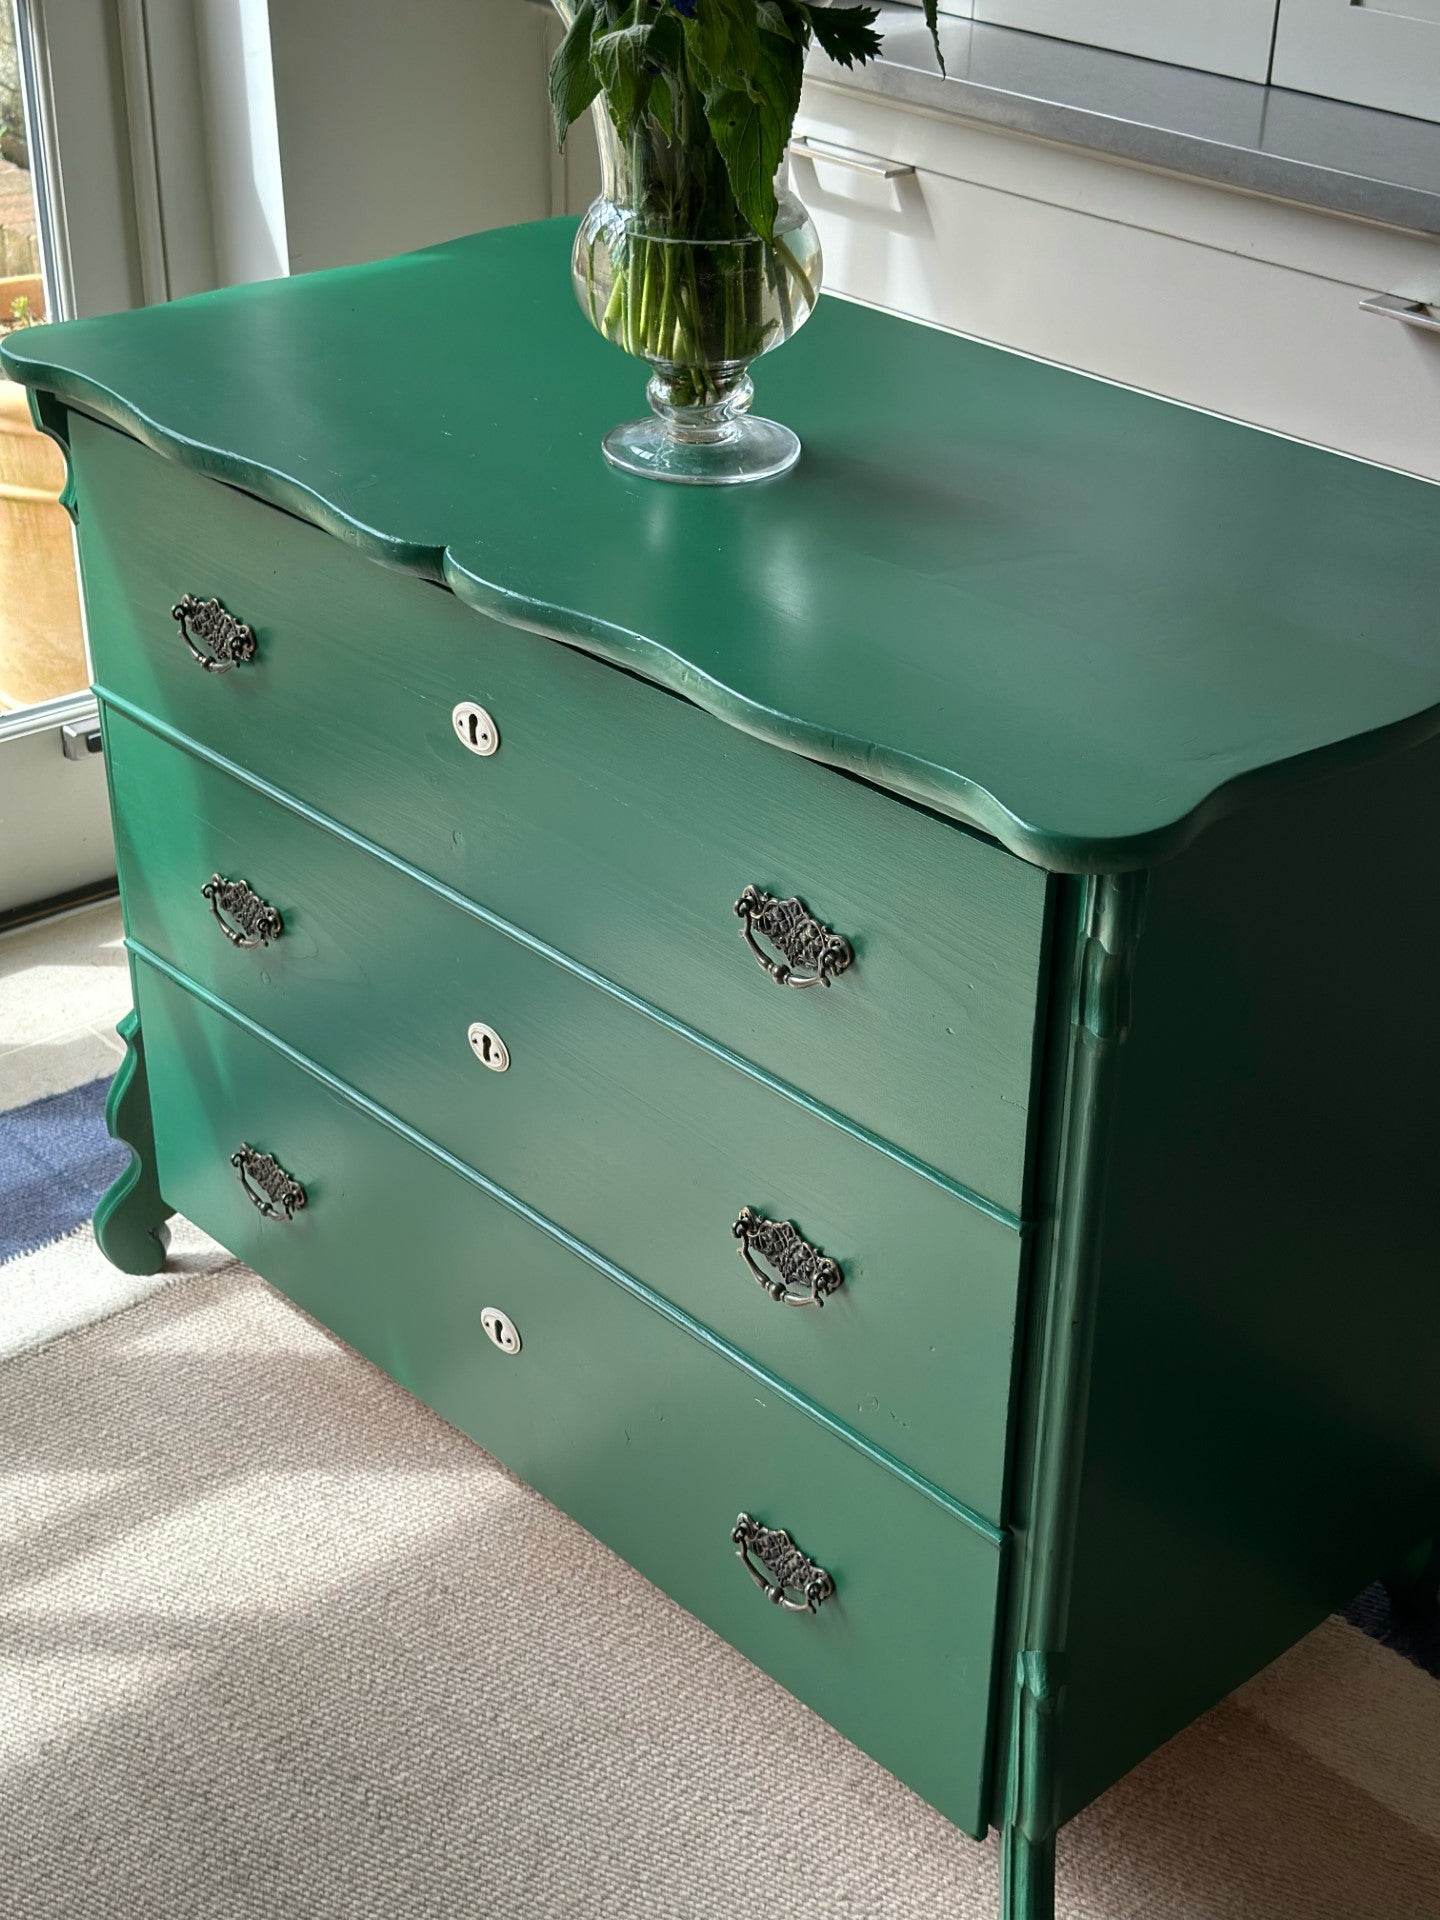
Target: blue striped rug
56	1160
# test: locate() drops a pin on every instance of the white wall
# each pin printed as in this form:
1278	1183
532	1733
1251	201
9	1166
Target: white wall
404	124
247	192
203	149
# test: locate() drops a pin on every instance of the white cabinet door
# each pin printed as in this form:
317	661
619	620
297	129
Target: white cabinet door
1222	36
1236	303
1382	53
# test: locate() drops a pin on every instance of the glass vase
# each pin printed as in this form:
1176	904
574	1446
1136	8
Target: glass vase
668	269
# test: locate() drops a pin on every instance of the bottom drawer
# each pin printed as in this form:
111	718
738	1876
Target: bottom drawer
652	1438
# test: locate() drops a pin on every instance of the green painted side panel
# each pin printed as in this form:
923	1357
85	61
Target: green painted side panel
639	1142
616	823
1081	618
1263	1436
649	1439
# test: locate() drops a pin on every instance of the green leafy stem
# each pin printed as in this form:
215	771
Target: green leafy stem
703	311
719	73
702	96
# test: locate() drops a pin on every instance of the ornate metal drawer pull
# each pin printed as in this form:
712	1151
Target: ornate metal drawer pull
241	915
793	930
784	1574
215	638
268	1187
802	1274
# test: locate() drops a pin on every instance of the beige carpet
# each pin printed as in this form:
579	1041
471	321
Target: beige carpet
276	1644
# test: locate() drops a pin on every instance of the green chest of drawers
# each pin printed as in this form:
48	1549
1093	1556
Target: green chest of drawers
1016	1257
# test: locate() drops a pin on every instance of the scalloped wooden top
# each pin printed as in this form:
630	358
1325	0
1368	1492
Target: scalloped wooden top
1078	618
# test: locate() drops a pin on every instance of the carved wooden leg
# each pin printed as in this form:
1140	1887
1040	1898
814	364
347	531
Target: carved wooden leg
130	1219
1027	1876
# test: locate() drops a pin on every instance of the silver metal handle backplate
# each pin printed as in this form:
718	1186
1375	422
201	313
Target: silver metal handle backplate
810	954
785	1575
268	1187
216	639
241	915
799	1275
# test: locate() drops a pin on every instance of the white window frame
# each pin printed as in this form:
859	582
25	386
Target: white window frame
153	145
73	78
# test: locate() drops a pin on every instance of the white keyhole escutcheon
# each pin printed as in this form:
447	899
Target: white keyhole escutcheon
500	1329
475	729
488	1048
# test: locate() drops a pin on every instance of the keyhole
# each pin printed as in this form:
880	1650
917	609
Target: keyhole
476	730
488	1048
500	1330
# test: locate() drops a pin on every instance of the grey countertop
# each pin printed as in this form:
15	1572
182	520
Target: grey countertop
1295	146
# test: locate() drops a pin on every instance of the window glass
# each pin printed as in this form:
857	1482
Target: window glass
42	652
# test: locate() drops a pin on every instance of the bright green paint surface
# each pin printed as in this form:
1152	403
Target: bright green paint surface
634	1140
615	822
129	1221
650	1440
1073	615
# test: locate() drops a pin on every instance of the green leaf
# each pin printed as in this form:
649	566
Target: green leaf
770	15
724	39
574	82
625	73
846	34
630	61
751	127
667	42
932	20
662	107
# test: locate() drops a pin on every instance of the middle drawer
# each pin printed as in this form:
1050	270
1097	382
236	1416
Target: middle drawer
641	1143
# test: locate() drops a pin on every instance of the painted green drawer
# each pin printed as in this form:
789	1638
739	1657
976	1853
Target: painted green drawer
616	822
650	1438
635	1139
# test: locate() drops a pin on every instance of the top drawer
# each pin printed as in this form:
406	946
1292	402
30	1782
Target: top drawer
615	822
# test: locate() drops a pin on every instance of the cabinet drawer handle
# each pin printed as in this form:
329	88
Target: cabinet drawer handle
793	930
784	1575
801	1276
241	915
215	638
269	1189
806	147
1411	313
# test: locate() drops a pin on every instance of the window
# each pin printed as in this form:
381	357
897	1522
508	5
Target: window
71	245
42	648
